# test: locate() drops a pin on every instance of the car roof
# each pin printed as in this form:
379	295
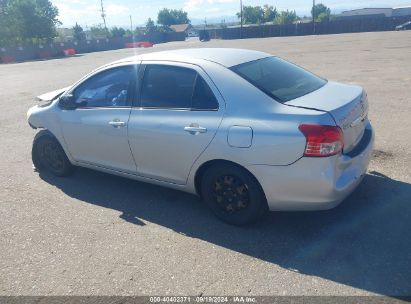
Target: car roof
227	57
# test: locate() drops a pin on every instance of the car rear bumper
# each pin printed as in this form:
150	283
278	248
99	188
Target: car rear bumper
315	183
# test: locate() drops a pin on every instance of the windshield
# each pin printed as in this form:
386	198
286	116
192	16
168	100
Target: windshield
278	78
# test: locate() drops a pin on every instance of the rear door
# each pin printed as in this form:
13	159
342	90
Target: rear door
174	120
96	131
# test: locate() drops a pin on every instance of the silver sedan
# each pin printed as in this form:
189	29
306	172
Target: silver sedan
245	130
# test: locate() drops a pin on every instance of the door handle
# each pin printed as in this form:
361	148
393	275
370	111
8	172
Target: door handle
195	129
116	123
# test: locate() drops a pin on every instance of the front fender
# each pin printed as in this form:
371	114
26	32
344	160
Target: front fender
47	117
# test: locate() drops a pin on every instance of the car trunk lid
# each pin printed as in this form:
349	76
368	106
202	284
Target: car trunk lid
347	104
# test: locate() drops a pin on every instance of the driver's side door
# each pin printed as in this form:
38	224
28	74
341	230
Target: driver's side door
95	131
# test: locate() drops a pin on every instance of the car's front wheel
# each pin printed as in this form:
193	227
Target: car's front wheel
47	154
233	194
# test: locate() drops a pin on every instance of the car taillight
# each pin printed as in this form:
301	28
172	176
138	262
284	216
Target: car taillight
322	140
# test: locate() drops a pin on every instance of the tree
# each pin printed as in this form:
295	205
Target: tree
98	31
258	14
150	26
320	13
117	32
252	14
269	13
22	20
168	17
78	33
223	25
8	30
139	31
323	17
286	17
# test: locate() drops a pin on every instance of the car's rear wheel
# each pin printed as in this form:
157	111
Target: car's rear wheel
233	194
47	154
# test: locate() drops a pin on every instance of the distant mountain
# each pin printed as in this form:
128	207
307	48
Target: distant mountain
214	20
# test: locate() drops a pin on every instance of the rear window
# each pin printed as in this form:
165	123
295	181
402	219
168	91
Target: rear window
278	78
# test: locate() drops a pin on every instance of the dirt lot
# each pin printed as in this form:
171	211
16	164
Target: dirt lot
103	235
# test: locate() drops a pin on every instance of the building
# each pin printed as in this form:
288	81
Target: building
186	28
65	34
401	11
387	12
382	12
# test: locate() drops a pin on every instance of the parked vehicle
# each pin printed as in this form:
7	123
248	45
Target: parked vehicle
246	131
192	33
204	36
404	26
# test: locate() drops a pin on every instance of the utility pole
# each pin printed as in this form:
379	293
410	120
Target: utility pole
313	13
103	15
241	17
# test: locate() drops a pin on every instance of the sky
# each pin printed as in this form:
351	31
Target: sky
118	12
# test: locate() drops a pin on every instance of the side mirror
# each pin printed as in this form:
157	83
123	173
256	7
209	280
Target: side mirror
67	102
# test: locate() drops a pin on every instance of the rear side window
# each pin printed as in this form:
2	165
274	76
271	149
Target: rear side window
167	87
278	78
172	87
203	97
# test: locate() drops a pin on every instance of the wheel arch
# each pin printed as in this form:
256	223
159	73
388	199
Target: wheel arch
45	131
203	168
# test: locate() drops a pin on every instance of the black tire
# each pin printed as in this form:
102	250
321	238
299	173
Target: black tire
233	194
48	155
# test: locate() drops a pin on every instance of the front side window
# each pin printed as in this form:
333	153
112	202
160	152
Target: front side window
172	87
278	78
108	88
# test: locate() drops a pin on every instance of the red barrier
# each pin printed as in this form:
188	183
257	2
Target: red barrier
69	52
7	59
139	44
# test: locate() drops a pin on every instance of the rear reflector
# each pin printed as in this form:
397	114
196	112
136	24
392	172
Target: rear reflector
322	140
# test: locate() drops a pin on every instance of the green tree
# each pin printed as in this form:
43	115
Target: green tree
7	27
269	13
24	20
223	24
98	31
252	14
117	32
168	17
323	17
321	13
150	26
138	31
258	14
286	17
78	33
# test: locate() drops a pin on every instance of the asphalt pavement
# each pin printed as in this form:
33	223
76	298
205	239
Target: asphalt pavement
97	234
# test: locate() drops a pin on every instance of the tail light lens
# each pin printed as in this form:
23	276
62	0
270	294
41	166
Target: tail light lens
322	140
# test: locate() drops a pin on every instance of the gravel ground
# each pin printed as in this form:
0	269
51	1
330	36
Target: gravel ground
96	234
